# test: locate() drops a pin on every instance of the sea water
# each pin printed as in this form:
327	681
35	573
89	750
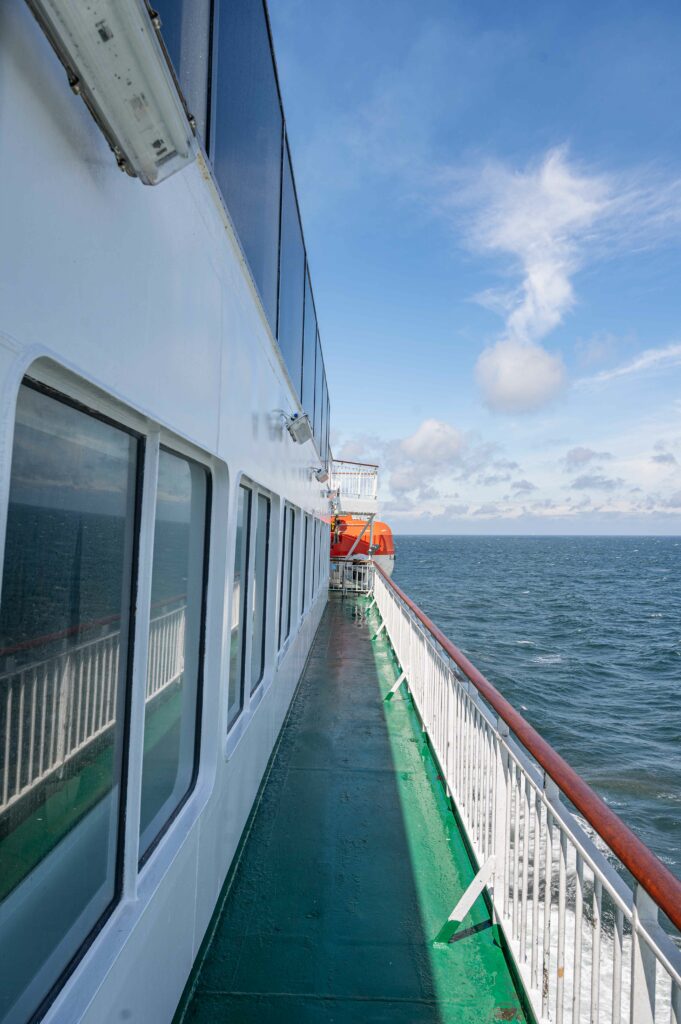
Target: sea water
583	636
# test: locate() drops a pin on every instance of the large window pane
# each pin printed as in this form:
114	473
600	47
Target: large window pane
247	140
318	396
306	566
259	588
291	280
291	570
64	629
173	670
239	597
284	573
325	413
309	351
185	26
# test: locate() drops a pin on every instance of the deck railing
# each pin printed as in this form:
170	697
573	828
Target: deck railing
577	894
53	708
354	480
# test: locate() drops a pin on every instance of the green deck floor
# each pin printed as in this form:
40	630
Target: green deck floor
352	865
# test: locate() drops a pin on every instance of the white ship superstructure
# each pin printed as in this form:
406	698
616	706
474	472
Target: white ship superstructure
175	679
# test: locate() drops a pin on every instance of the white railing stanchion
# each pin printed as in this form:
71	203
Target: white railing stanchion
643	961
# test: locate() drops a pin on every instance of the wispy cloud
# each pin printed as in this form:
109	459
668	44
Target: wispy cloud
576	458
653	359
550	219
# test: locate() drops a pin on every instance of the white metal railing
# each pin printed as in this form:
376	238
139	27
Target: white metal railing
354	481
589	949
52	709
351	575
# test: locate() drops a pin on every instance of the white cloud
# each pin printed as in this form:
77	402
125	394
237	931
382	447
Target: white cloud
650	359
549	219
517	376
433	442
580	456
540	217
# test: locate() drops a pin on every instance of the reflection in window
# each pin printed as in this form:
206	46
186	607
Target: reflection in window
291	566
291	279
235	700
284	575
259	595
309	351
64	631
185	27
319	396
173	669
247	140
304	578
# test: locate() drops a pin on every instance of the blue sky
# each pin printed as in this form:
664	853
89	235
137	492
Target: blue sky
491	197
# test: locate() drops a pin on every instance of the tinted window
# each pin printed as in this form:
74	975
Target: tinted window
259	588
292	575
309	351
185	27
64	629
304	577
173	669
291	280
324	425
247	140
318	395
284	572
239	596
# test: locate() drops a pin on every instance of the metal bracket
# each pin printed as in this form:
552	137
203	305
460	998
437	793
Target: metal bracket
379	631
467	900
391	694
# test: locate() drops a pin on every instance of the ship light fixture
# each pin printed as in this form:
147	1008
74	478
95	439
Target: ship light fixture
321	475
299	427
115	61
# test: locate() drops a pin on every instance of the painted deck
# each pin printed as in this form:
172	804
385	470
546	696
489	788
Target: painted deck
350	867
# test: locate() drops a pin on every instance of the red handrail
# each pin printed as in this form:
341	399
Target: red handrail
646	868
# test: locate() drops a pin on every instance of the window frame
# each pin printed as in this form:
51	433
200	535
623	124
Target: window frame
141	440
259	493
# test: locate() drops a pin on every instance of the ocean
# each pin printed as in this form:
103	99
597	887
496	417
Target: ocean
583	636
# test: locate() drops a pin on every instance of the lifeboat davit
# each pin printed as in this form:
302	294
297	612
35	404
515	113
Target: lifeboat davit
378	543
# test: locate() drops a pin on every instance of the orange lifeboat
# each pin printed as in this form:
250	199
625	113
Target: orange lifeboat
378	543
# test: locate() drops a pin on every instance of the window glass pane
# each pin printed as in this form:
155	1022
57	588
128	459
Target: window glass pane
64	629
313	573
291	567
259	596
291	280
325	411
239	596
170	719
318	396
327	440
309	351
247	138
185	27
283	586
303	585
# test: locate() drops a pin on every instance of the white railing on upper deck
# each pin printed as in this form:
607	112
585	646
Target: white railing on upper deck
355	482
53	708
351	575
589	949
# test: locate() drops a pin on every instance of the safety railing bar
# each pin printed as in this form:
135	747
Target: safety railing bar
657	880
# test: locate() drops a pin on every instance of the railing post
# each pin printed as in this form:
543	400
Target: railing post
643	961
502	795
65	679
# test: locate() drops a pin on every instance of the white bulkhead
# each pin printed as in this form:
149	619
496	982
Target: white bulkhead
137	303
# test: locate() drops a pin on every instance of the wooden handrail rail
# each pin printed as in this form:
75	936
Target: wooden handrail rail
654	876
